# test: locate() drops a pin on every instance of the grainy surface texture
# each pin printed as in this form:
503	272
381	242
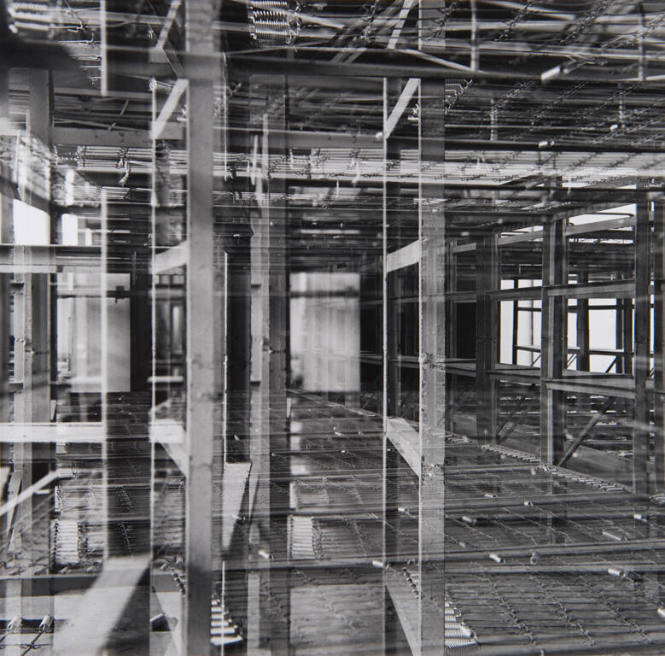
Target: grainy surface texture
332	327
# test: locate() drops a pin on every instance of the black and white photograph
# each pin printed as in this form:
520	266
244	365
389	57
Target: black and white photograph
332	327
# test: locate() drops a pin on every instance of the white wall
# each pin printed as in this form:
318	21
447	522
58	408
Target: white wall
325	331
79	336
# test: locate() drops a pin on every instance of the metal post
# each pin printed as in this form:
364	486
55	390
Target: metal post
389	457
6	229
432	423
204	343
486	335
279	343
659	341
583	358
642	345
553	336
31	333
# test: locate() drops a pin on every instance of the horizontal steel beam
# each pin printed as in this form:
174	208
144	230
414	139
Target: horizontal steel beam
62	136
53	433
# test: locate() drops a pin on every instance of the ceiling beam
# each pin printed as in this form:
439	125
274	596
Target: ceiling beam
63	136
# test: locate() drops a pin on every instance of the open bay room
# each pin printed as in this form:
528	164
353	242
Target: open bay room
332	327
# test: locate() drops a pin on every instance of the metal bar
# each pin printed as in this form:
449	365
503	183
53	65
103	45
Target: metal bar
514	337
615	386
659	341
597	226
171	104
29	492
486	505
104	47
585	431
96	137
13	488
521	408
432	392
582	320
34	462
389	487
234	488
642	344
202	383
406	440
278	286
620	288
6	229
567	549
422	67
174	6
52	433
531	235
402	103
404	257
486	335
408	613
399	23
553	331
518	293
259	613
203	341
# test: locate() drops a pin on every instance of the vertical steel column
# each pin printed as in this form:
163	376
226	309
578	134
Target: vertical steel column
432	308
391	190
389	456
269	615
6	237
258	609
204	343
140	313
450	325
515	326
553	343
659	341
127	447
279	343
202	365
642	344
268	610
128	451
37	345
238	340
32	333
237	233
627	331
583	357
10	604
618	333
486	336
